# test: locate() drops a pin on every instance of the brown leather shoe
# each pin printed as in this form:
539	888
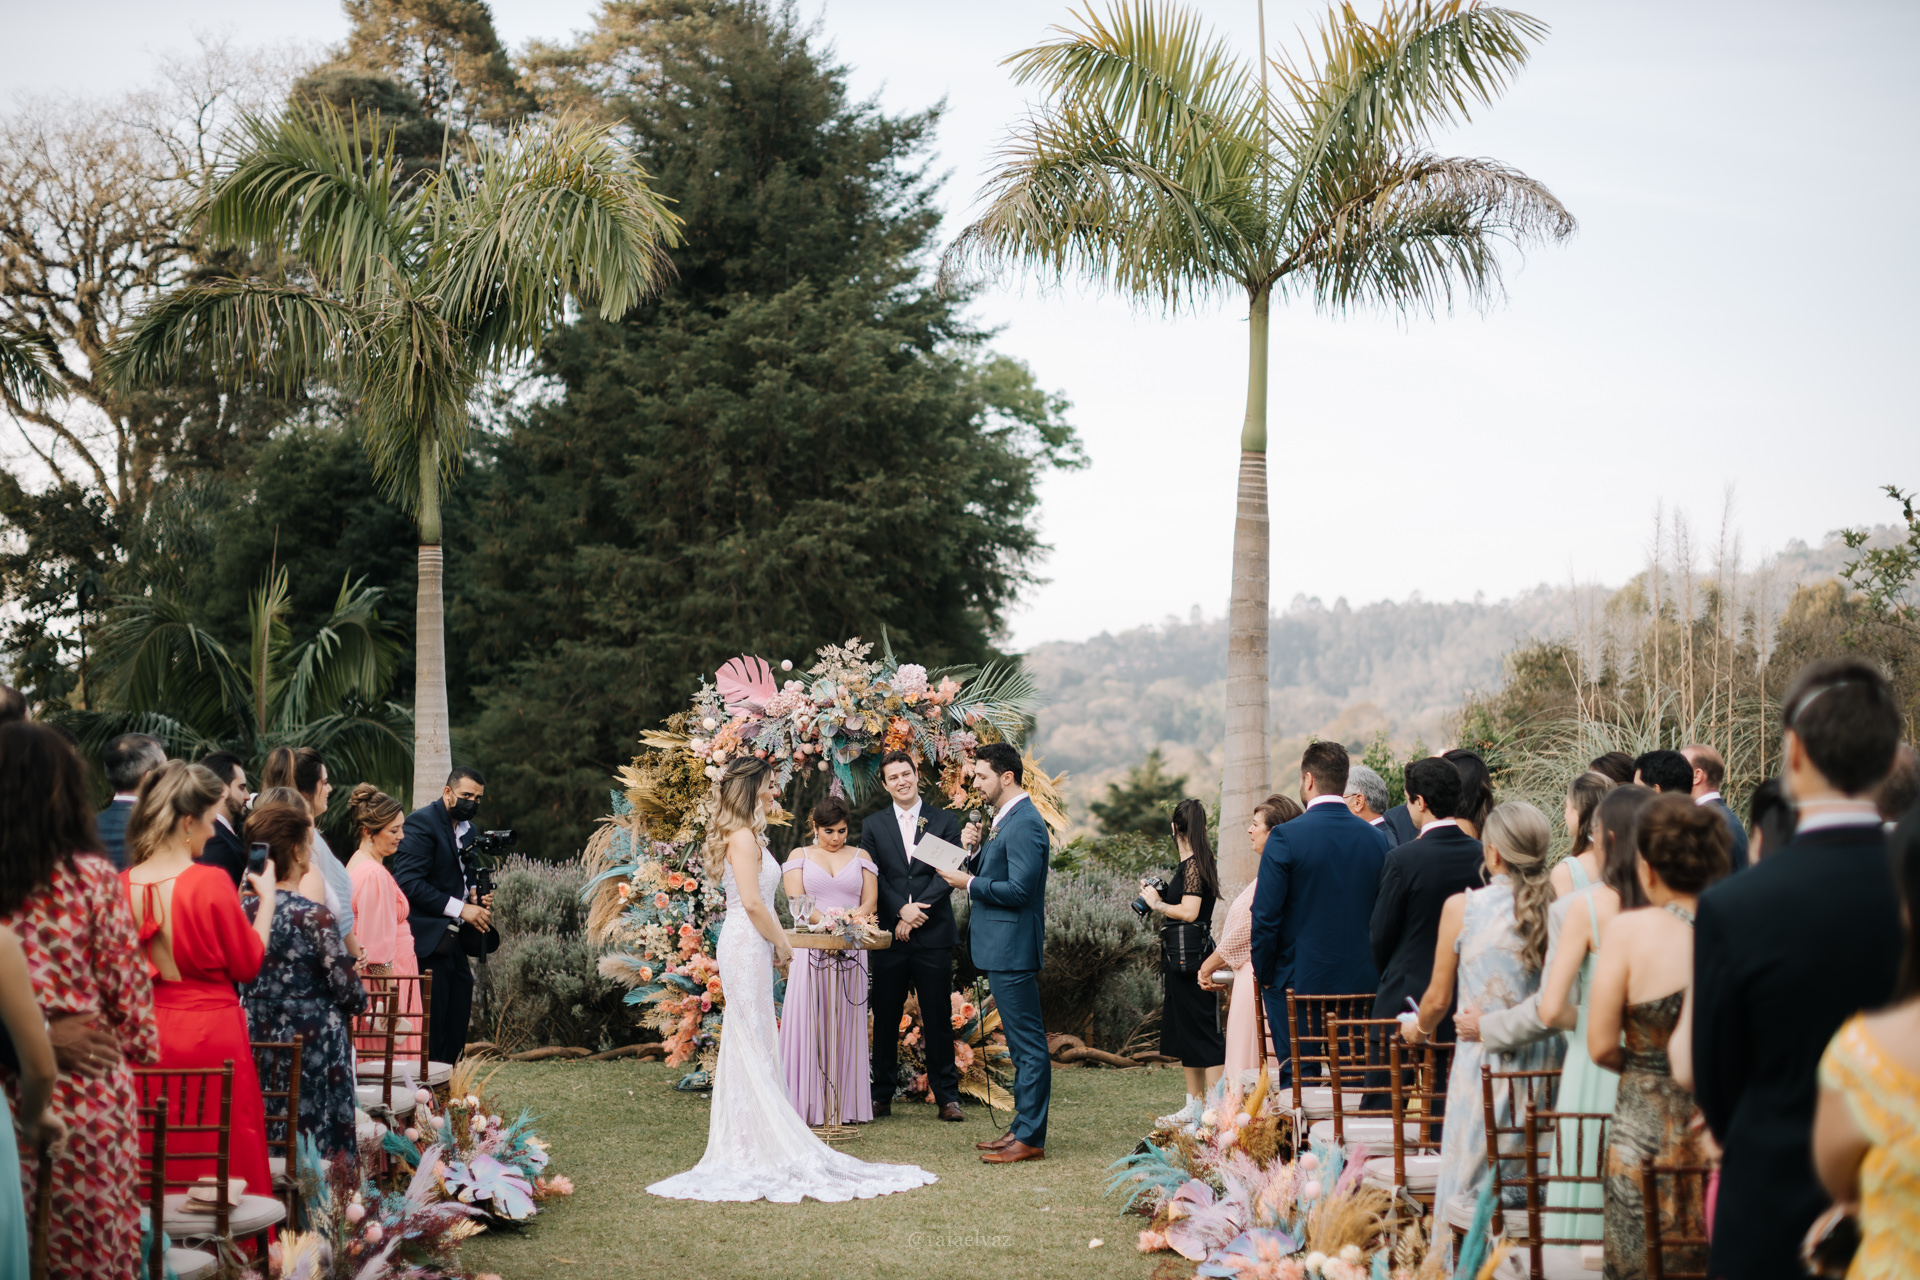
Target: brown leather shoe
882	1109
994	1144
1012	1153
951	1112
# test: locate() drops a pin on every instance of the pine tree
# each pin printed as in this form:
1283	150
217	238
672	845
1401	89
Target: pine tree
1144	804
799	441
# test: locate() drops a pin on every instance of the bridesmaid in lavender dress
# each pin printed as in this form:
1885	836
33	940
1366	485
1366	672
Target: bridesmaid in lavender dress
833	876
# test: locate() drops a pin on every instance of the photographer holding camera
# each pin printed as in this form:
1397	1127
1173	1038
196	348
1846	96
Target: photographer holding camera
1190	1016
451	899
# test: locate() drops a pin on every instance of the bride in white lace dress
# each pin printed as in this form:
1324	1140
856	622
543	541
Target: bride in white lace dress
758	1147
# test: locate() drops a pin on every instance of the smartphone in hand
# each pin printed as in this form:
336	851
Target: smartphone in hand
256	859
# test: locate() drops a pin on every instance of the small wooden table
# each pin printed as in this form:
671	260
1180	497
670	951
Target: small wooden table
833	982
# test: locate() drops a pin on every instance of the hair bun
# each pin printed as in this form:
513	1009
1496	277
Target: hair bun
363	792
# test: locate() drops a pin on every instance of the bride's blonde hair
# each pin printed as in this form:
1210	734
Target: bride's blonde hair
733	803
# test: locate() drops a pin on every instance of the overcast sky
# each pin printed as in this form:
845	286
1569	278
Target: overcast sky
1730	313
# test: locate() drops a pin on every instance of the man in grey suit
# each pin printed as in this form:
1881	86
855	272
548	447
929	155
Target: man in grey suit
1007	934
129	758
1709	771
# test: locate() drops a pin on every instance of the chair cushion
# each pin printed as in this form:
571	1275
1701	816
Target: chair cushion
1374	1131
255	1214
277	1165
438	1073
1423	1173
1459	1210
1564	1262
191	1264
1317	1101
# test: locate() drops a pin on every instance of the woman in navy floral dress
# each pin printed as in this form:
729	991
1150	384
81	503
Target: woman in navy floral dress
307	987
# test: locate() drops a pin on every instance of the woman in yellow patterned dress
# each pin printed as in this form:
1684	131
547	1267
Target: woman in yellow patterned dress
1866	1131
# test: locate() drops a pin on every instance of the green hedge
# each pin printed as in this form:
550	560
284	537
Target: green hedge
543	986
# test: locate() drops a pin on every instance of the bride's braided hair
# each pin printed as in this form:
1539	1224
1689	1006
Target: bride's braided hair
733	803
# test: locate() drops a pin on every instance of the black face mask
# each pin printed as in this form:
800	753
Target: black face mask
464	808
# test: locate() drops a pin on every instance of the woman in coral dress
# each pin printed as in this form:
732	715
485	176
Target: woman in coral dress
380	909
198	945
1232	961
829	986
64	902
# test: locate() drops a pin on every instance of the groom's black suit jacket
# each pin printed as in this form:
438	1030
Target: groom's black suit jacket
903	880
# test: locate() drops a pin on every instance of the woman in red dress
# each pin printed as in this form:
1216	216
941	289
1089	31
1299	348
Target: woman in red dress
60	895
198	945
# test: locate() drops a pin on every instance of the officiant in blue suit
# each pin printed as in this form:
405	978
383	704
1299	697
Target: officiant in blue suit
1007	934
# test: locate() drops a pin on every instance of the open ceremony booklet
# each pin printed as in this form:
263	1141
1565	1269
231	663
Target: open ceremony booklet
936	852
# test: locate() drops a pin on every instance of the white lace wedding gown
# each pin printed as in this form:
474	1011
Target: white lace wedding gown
758	1147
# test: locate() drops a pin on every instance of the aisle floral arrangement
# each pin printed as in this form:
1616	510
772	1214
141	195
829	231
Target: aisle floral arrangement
650	901
1232	1195
979	1051
402	1212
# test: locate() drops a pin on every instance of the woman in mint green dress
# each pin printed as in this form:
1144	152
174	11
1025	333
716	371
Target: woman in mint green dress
1564	996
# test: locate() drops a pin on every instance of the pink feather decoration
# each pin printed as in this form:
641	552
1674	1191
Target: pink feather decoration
746	683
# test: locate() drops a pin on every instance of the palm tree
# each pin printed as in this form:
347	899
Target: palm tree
406	291
165	674
24	372
1160	168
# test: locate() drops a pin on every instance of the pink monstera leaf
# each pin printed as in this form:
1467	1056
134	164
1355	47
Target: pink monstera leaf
746	683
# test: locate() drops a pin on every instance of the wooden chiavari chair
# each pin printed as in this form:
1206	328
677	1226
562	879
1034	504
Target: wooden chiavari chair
1507	1098
187	1094
183	1264
1369	1054
278	1063
379	1025
1560	1147
1418	1096
1307	1047
1673	1254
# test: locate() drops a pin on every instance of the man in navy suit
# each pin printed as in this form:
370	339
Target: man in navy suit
1418	879
1318	876
1709	771
129	758
915	906
1006	930
448	919
224	848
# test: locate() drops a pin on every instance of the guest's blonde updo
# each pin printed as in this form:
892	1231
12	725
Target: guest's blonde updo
174	791
1521	835
733	803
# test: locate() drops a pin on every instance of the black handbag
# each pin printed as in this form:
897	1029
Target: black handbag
1184	947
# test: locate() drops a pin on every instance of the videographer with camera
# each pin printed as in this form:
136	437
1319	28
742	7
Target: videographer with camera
1190	1016
450	894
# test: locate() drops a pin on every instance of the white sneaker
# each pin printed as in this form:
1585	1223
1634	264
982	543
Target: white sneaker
1184	1117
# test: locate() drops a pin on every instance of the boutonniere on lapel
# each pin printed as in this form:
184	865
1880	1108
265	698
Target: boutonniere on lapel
922	825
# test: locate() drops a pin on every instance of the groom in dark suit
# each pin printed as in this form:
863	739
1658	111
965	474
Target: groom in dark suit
1415	884
1006	931
915	907
448	918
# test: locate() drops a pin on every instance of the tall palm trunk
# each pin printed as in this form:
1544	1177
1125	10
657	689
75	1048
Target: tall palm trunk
1244	780
432	745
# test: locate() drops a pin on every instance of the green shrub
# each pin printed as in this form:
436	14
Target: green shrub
543	986
1101	978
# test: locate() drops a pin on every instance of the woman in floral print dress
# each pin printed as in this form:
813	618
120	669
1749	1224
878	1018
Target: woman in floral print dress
64	901
306	987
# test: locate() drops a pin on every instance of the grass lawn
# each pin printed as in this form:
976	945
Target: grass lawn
617	1126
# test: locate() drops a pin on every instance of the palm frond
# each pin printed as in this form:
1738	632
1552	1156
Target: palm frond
94	730
267	639
323	187
351	657
156	659
415	384
1412	231
1004	695
26	375
364	742
549	213
233	331
1143	172
1390	82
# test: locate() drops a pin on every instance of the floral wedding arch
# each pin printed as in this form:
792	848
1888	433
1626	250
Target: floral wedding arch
650	902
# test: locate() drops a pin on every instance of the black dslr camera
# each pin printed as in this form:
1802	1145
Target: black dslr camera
486	848
1139	904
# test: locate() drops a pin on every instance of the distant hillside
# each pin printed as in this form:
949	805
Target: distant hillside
1338	672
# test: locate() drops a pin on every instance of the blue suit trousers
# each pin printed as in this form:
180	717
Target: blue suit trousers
1016	994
